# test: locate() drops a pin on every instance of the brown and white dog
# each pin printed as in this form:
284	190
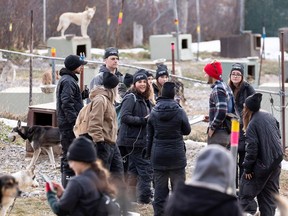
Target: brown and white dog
9	191
40	137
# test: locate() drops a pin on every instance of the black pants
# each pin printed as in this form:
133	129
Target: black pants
161	180
67	137
264	188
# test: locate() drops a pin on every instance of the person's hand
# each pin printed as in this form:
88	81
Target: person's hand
210	132
85	93
206	119
248	176
59	189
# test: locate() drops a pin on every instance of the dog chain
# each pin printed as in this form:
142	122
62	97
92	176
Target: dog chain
12	206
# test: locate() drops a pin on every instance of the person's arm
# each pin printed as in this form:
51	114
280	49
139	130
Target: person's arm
219	97
149	137
96	119
186	127
53	201
127	116
67	102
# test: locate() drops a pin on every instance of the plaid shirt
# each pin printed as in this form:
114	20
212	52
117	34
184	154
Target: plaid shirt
218	104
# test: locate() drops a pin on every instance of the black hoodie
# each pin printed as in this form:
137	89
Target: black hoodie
167	124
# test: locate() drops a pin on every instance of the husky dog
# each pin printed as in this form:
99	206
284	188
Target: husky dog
26	178
8	192
82	19
40	137
8	72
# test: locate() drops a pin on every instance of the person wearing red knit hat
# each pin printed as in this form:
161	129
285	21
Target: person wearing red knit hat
218	130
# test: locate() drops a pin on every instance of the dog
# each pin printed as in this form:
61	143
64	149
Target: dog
40	137
282	204
26	179
9	191
8	72
82	19
47	77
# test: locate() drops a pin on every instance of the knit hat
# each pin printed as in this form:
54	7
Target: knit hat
110	80
111	51
139	76
82	149
73	61
161	70
253	102
238	67
168	90
214	70
128	80
214	169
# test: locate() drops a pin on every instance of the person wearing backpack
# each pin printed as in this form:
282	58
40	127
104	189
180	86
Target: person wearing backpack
84	192
241	90
132	136
218	131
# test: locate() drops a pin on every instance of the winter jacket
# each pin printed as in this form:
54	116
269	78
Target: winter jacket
218	104
157	91
188	200
263	144
209	192
98	79
69	100
167	124
79	198
132	131
245	91
102	124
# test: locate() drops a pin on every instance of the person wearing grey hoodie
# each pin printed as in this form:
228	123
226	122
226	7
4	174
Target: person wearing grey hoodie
210	190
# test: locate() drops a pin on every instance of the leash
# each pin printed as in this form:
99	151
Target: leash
12	206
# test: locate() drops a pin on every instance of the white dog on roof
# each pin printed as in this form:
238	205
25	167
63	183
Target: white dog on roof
82	19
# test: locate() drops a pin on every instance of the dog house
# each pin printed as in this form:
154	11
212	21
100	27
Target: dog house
160	46
241	46
45	115
70	45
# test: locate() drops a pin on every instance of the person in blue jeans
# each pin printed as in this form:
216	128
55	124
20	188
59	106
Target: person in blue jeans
167	124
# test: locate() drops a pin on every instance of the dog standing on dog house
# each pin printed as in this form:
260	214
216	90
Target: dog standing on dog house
82	19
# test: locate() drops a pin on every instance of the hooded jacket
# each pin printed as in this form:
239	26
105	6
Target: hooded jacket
69	100
132	131
209	192
98	79
102	124
167	124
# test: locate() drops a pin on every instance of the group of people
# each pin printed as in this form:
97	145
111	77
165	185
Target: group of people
144	151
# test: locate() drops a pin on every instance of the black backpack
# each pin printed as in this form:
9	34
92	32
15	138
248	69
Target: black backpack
107	206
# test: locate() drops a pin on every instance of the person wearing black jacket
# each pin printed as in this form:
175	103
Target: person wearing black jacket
167	124
134	113
68	105
262	162
210	190
241	90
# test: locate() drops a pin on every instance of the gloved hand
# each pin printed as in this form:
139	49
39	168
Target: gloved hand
85	93
145	154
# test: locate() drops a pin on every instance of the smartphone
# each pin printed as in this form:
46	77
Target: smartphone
48	180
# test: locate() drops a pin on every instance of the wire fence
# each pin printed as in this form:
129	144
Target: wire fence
16	66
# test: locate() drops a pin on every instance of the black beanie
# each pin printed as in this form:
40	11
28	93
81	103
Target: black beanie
139	76
73	61
238	67
161	70
168	90
111	51
82	149
253	102
128	80
110	80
